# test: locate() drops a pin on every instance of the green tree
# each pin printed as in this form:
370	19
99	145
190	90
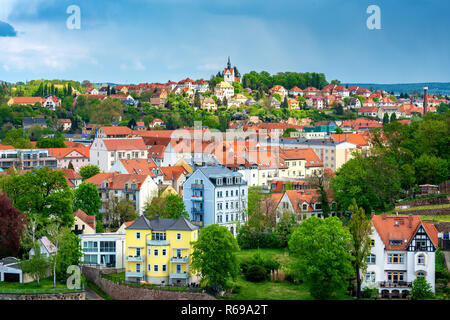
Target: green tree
288	131
86	198
88	171
385	119
360	229
43	194
172	206
421	289
321	249
119	212
54	234
214	255
36	266
18	139
69	253
393	117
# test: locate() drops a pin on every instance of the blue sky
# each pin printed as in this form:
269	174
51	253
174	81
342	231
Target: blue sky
137	41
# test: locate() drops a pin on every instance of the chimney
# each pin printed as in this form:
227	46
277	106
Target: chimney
425	100
373	214
410	219
384	216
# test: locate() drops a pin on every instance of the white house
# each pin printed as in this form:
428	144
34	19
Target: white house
106	152
132	187
402	249
103	249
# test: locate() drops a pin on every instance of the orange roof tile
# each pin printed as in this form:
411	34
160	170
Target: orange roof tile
125	144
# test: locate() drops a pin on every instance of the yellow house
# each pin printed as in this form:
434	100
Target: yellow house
159	251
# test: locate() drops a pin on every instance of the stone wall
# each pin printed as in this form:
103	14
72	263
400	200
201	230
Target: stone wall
123	292
442	211
425	202
44	296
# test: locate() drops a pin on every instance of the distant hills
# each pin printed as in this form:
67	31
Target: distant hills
433	87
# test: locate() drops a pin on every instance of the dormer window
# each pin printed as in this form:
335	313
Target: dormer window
219	181
229	180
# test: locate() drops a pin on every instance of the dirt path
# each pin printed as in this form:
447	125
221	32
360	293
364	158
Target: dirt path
91	295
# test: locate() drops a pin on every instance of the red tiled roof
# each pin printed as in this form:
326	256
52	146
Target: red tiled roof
173	172
117	181
124	144
89	220
139	166
311	158
116	130
21	100
405	229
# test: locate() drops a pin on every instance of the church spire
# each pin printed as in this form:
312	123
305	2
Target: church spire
229	63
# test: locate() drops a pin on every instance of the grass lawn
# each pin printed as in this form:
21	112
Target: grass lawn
282	255
116	277
270	290
436	206
46	286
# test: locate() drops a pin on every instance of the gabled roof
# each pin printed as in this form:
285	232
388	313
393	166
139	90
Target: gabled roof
89	220
401	227
48	245
116	130
117	181
162	224
173	172
124	144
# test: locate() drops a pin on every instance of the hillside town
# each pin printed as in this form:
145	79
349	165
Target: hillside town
147	185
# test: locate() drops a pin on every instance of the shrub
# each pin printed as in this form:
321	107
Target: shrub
248	238
256	273
369	293
421	289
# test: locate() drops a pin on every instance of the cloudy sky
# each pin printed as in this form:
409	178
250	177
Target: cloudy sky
137	41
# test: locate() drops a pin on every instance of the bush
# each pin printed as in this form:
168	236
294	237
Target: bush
421	289
369	293
248	238
256	273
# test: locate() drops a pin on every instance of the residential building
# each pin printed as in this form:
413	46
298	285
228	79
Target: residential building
26	159
402	249
103	250
84	224
303	203
79	157
28	122
132	187
216	195
106	152
159	251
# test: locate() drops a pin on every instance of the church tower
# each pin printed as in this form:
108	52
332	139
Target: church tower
228	73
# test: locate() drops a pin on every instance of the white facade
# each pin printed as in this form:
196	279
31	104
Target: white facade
105	158
390	270
103	249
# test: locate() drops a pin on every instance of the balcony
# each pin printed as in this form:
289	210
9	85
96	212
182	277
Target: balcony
398	284
179	260
158	243
135	259
197	186
197	211
179	276
134	274
197	223
197	198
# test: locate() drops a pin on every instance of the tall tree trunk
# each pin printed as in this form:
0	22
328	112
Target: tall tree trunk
358	285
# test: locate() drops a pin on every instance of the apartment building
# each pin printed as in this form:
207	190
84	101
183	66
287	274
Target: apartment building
216	195
159	251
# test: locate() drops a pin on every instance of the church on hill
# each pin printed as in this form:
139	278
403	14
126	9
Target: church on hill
231	74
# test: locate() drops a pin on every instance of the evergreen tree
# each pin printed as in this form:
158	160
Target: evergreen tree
385	119
393	117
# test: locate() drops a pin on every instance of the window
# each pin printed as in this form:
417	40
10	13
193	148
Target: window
138	252
155	252
395	276
396	258
371	258
107	246
178	253
159	236
219	181
149	268
370	277
372	243
226	193
138	235
421	259
178	236
231	193
395	242
155	268
164	252
138	267
164	268
420	274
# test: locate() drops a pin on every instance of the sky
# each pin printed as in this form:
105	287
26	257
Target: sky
138	41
